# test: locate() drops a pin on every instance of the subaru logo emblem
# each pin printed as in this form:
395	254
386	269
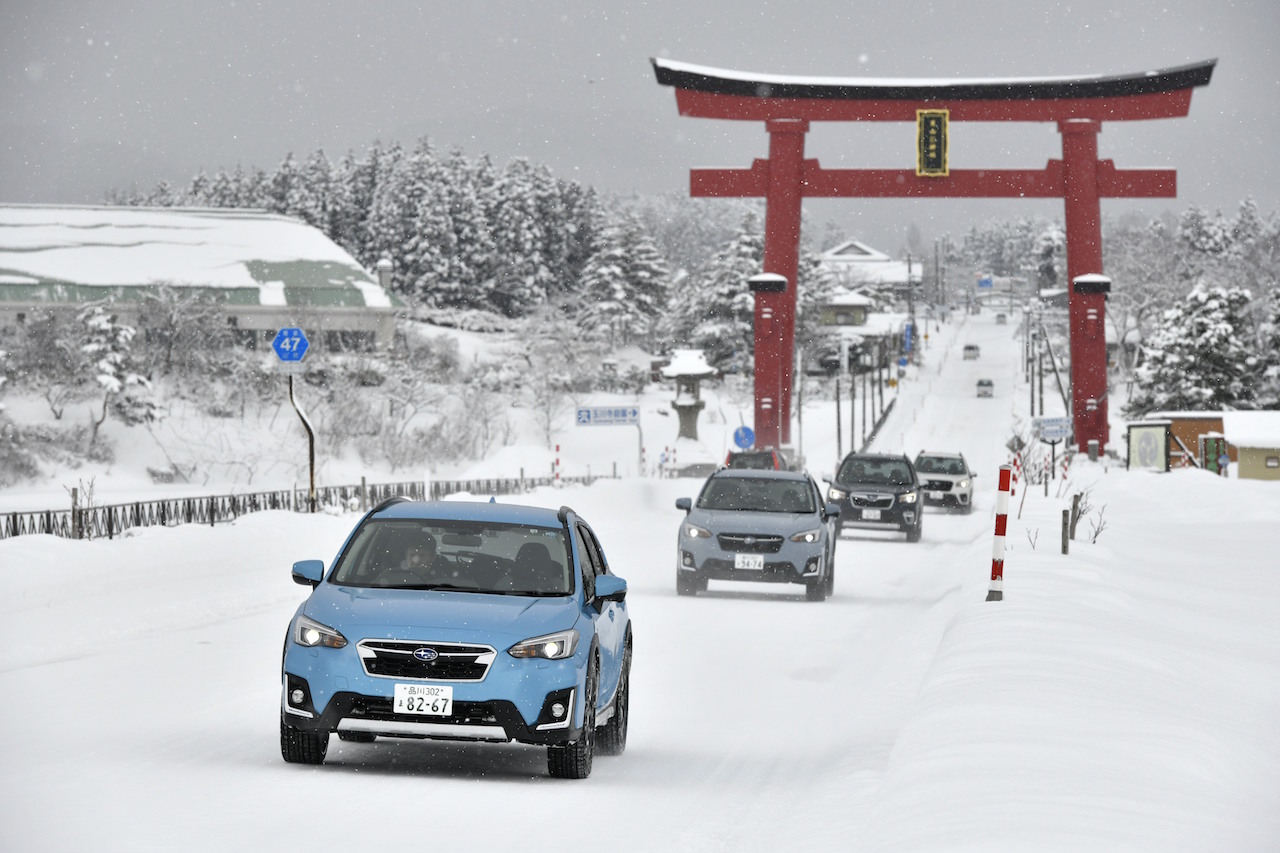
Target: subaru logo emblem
426	655
749	540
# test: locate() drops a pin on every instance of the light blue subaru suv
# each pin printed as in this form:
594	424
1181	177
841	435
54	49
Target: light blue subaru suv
461	621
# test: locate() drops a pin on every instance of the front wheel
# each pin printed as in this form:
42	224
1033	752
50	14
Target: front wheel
573	760
302	747
913	535
613	735
687	583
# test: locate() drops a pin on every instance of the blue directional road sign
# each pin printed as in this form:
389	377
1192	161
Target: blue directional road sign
744	437
986	282
609	416
290	344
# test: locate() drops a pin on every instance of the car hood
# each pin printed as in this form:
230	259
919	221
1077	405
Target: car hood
873	488
948	478
499	620
758	523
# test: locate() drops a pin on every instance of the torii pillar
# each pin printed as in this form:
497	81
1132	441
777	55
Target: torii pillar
787	105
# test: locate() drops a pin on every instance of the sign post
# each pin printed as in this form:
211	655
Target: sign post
614	416
1050	431
291	347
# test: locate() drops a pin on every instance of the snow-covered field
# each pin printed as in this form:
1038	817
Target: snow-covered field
1123	697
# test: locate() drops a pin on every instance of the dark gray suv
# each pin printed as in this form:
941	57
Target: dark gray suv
878	492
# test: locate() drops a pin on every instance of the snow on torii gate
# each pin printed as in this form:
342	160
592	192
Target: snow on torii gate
787	104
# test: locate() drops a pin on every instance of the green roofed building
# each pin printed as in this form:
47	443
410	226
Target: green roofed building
269	271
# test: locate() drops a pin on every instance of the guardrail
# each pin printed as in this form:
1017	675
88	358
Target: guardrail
95	522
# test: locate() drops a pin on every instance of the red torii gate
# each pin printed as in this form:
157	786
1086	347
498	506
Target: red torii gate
787	104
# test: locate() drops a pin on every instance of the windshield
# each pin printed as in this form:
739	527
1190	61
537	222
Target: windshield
877	472
757	495
939	465
507	559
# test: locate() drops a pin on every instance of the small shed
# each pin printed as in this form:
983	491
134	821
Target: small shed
1188	431
1255	437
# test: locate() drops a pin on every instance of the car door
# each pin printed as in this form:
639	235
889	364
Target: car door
610	622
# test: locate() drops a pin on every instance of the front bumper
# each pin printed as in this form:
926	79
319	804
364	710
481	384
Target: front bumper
793	563
899	516
513	701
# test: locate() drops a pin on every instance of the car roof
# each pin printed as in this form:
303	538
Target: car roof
760	474
535	516
943	453
874	456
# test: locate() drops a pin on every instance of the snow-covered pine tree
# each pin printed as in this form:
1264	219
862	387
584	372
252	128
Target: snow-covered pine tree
523	275
713	310
126	392
623	288
1200	356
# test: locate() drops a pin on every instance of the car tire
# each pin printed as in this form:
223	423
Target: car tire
831	577
357	737
573	760
913	535
688	583
612	737
302	747
816	589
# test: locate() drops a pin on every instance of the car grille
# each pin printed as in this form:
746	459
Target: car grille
464	713
454	661
938	486
749	543
871	501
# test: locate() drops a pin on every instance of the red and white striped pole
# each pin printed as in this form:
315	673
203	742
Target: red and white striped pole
1017	474
996	591
557	467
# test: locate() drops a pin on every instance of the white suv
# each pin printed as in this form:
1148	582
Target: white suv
945	479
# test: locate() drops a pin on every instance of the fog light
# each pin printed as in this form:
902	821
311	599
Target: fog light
909	516
296	696
557	710
687	559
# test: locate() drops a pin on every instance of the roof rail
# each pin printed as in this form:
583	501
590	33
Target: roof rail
394	499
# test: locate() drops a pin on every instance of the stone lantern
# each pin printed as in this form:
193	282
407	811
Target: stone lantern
688	368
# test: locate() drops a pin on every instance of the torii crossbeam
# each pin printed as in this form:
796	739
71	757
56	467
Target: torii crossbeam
788	104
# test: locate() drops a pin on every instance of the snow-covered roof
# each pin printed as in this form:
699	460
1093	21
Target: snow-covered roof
53	253
1190	414
854	261
884	324
1252	429
851	299
688	362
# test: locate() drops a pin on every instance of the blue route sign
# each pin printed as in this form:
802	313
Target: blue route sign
290	345
744	437
986	282
609	416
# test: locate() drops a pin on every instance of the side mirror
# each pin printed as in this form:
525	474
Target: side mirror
610	588
685	504
308	572
832	509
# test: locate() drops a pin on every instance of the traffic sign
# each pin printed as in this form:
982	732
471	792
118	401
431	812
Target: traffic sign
609	416
1052	429
290	344
744	437
986	282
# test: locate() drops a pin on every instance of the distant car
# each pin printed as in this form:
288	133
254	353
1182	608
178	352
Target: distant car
878	492
768	459
971	352
1001	319
757	525
986	388
945	479
511	628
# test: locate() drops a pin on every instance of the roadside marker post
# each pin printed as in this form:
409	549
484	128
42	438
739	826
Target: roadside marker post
995	592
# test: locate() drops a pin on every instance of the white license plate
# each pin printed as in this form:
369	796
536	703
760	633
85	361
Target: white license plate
935	496
748	561
871	515
433	700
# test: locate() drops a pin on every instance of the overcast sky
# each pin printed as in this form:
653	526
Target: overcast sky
95	95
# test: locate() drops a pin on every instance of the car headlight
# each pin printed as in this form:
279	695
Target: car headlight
557	646
964	484
311	633
807	536
834	494
908	498
693	531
